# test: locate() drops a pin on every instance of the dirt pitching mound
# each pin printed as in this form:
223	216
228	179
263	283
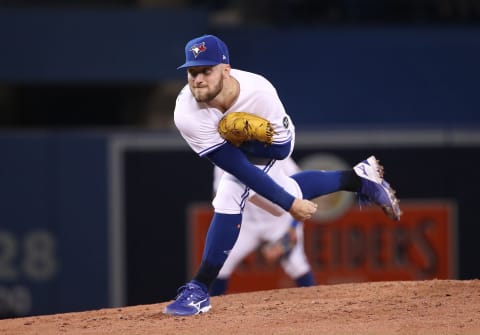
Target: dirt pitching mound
403	307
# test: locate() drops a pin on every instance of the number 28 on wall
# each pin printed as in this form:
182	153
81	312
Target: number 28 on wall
31	256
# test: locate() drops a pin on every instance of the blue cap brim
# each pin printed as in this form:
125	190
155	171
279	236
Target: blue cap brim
197	63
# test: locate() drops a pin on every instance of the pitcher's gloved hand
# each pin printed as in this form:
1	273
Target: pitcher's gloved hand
238	127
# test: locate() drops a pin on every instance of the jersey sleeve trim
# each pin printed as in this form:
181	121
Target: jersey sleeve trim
210	149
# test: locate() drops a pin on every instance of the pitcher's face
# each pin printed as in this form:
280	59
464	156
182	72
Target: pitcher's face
205	82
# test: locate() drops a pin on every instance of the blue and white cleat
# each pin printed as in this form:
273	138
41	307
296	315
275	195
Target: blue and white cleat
191	300
375	189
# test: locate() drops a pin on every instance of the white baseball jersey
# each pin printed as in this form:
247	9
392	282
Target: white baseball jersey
259	226
197	123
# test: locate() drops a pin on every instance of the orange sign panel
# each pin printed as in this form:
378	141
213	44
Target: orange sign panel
361	245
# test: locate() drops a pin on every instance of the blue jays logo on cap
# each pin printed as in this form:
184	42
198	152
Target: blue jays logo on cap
206	50
197	48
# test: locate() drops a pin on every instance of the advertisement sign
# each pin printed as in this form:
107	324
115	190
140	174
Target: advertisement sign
361	245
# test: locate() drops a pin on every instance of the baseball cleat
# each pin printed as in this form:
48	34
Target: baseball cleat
375	189
191	300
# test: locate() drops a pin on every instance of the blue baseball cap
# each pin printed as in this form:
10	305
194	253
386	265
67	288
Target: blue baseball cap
206	50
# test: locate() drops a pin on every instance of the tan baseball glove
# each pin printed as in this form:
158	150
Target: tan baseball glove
280	248
238	127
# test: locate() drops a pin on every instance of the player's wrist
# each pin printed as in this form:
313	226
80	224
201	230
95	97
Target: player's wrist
294	223
284	200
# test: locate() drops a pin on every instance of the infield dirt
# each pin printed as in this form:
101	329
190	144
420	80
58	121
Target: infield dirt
401	307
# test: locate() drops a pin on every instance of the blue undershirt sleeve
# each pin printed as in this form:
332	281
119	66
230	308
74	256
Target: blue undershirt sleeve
234	161
259	149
